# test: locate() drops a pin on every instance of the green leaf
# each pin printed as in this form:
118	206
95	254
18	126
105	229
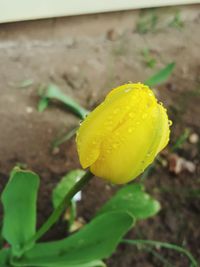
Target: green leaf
19	202
87	264
96	240
26	83
147	23
64	186
53	92
43	104
4	257
132	198
181	140
149	60
177	21
96	263
161	76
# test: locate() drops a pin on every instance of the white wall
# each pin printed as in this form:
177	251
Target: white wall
16	10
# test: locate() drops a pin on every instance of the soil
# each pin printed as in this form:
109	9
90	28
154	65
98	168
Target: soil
86	56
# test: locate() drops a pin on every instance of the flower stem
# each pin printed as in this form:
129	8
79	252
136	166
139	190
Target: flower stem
60	209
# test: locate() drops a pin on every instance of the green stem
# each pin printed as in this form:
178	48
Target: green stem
72	214
159	257
163	245
60	209
58	141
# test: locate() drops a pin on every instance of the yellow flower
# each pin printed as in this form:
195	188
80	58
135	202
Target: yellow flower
123	135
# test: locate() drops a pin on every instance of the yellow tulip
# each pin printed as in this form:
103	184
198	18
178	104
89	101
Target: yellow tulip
123	135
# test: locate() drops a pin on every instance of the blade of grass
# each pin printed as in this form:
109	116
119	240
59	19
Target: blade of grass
26	83
160	76
177	22
159	257
43	104
65	137
163	245
149	170
53	92
181	140
147	23
148	59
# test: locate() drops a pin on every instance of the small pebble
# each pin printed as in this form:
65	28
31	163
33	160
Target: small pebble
178	164
55	150
29	110
107	187
194	138
112	35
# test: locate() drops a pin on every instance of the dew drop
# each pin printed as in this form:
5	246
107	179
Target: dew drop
127	108
142	170
144	115
150	93
169	122
115	111
122	139
102	158
131	114
108	151
115	145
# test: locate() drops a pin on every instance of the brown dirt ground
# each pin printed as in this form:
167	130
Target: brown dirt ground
87	56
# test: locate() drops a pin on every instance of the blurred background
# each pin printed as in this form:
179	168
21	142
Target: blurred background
86	54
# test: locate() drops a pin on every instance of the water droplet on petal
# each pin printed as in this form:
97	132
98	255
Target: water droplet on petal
127	90
108	151
115	145
169	122
150	93
131	114
116	110
144	115
102	158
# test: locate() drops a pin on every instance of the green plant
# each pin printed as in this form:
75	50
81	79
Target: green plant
95	241
147	23
177	21
149	60
161	75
